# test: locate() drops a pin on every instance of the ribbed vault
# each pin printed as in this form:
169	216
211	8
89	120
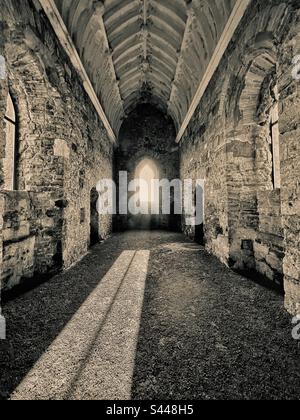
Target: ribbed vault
154	51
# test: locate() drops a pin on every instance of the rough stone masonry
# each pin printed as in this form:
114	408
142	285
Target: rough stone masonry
243	138
62	151
250	225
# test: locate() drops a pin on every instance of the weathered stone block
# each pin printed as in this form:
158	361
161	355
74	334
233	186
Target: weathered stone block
61	149
274	262
261	251
292	295
265	270
18	262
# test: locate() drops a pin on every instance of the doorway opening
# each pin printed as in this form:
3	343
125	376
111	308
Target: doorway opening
199	208
94	219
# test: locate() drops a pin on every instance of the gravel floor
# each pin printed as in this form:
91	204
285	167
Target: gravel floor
170	324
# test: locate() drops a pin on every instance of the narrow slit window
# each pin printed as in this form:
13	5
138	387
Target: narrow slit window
274	130
9	162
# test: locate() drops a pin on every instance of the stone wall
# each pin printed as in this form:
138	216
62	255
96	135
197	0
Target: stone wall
18	260
203	156
3	103
147	134
62	147
63	150
269	248
290	164
249	224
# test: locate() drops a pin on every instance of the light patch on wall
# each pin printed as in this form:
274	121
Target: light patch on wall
2	68
61	149
147	171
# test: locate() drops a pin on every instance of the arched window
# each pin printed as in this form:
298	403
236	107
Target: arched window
10	146
253	108
147	171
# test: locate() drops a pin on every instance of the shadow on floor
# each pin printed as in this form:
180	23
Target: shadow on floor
36	319
209	333
205	332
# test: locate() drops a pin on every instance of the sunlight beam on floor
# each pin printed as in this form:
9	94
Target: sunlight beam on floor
94	356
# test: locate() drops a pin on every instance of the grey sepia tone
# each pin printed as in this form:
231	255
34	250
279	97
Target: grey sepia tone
114	307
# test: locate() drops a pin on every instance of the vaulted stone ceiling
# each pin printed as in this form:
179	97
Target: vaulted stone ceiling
153	51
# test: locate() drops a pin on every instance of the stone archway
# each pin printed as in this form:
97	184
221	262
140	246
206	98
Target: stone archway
146	141
255	229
